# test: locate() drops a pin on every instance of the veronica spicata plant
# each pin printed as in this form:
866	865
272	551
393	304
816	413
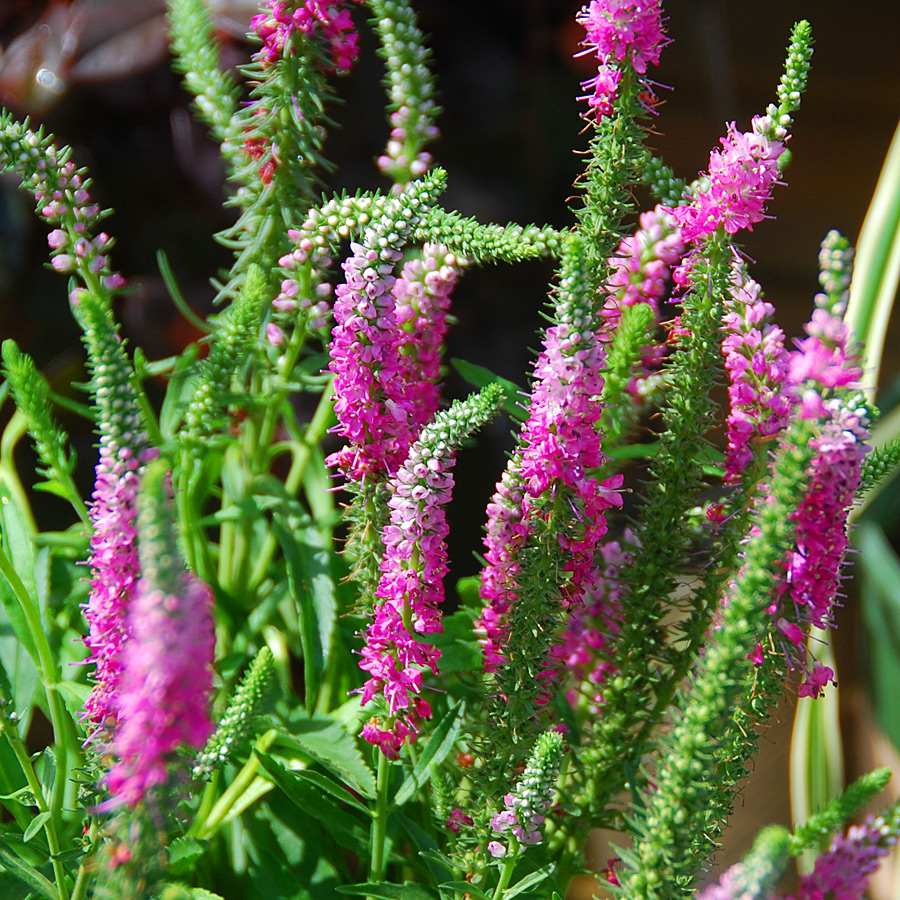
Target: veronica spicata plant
258	680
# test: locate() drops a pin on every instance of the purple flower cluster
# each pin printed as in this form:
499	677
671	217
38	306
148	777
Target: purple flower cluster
616	31
167	678
843	872
813	568
641	271
756	360
379	403
411	587
817	379
643	263
740	181
506	532
329	18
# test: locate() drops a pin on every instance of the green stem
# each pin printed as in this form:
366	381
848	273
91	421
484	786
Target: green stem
209	797
83	879
301	457
509	863
47	669
379	821
237	787
34	785
9	475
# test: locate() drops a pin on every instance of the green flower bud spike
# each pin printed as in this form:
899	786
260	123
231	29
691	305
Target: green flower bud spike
249	701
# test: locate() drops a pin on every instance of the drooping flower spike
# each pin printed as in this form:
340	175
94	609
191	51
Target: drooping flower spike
374	389
411	588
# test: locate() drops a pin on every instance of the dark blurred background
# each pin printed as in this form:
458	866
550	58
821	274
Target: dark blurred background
507	84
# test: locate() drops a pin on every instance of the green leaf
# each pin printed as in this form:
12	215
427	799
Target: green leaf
312	585
316	803
425	845
74	695
876	268
438	748
456	887
381	891
18	546
180	892
329	743
70	855
27	874
12	889
338	791
479	376
634	451
46	770
185	850
37	823
460	651
179	391
528	882
881	613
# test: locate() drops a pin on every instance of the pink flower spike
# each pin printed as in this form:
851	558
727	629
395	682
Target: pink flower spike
163	702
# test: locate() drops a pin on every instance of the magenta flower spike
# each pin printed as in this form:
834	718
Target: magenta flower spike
124	450
619	32
560	445
375	388
166	679
823	371
641	274
328	18
422	299
756	360
411	587
592	624
740	181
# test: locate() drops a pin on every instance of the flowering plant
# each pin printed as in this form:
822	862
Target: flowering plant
276	698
